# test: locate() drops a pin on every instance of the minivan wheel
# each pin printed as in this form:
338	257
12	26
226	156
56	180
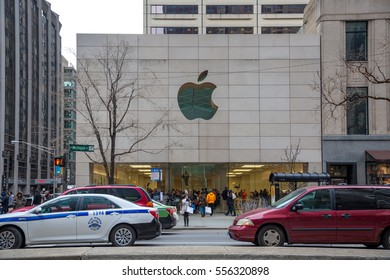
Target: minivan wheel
10	238
271	235
122	235
386	239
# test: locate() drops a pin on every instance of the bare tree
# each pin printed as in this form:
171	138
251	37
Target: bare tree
108	92
333	88
291	157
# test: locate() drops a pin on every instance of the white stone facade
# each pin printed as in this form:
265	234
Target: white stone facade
264	96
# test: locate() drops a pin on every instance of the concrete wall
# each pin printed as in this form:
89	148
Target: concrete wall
264	94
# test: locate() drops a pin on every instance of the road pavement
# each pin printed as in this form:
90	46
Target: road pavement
217	221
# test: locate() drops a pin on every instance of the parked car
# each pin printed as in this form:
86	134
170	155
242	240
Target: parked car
80	218
131	193
321	214
167	214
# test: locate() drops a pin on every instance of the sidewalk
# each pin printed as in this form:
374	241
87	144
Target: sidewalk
216	221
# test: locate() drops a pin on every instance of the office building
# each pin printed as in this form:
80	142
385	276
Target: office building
354	35
223	17
30	94
70	112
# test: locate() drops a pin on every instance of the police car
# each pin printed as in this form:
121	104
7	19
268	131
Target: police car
80	218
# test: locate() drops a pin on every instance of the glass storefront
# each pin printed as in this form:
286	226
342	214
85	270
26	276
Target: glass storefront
342	173
378	167
166	177
378	173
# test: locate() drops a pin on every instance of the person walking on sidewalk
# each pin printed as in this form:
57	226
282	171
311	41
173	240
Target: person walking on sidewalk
210	199
4	203
20	201
202	204
185	204
11	199
230	204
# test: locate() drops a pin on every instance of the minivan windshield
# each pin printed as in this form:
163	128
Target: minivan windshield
288	198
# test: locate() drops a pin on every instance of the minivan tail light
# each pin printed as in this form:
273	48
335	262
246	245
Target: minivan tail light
154	213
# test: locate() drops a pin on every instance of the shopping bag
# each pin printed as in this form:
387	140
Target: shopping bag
190	210
208	210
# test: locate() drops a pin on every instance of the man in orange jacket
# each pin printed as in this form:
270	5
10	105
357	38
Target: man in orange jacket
210	199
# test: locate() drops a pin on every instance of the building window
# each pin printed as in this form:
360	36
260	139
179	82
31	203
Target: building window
174	30
70	124
356	41
229	30
342	173
378	173
174	9
357	111
280	29
70	93
69	83
283	9
229	9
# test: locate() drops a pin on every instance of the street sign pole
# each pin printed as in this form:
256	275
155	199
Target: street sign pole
81	148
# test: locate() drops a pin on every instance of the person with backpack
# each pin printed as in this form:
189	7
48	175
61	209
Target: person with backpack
4	203
230	203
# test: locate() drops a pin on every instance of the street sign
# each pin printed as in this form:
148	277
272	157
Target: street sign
81	148
49	181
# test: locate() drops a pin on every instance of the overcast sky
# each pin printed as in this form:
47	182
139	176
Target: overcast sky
96	16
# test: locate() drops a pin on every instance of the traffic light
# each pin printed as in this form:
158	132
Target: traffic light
59	161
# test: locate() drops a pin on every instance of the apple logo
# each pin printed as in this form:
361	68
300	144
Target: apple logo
195	99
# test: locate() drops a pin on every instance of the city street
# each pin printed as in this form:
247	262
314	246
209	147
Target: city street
212	244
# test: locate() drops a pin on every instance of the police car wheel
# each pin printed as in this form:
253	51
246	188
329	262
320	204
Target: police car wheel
10	238
123	235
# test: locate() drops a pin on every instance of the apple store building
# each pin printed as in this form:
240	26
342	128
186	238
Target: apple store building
175	112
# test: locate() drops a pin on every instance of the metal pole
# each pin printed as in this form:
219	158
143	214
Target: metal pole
55	179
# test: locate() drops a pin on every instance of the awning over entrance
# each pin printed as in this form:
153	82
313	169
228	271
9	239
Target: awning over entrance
299	177
379	155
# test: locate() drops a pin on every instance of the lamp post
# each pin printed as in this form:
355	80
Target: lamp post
48	150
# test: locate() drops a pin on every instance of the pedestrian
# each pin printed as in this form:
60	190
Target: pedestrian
202	204
46	196
224	197
4	203
230	204
210	199
185	204
20	200
37	198
11	198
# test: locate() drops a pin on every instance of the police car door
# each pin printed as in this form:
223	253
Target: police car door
55	221
96	218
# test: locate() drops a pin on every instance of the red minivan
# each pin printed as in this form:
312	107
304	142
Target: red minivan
320	214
